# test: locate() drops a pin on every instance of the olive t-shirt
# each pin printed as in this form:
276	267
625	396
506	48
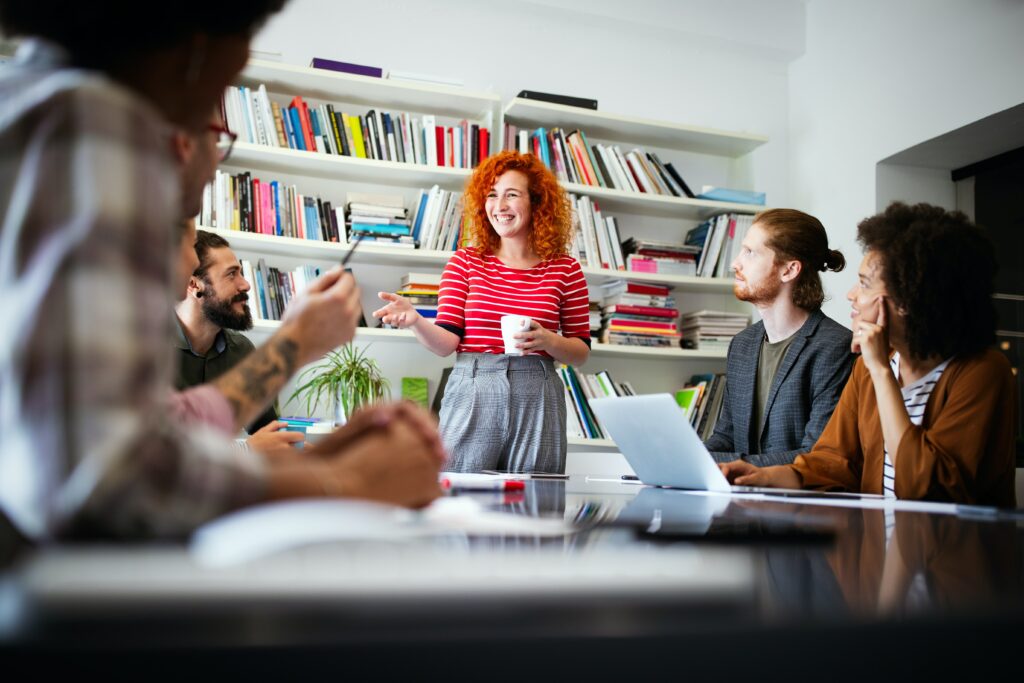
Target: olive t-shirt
767	367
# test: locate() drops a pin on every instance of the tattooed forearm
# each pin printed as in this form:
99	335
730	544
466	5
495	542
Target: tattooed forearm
253	383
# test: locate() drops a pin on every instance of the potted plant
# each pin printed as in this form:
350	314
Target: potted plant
347	377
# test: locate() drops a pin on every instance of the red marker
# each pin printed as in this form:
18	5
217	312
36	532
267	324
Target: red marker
477	485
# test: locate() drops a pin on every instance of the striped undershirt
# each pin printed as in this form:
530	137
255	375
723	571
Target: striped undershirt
477	289
915	398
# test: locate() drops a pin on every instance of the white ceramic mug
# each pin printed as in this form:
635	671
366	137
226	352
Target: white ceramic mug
512	325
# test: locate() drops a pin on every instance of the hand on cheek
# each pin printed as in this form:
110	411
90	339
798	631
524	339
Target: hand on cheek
872	339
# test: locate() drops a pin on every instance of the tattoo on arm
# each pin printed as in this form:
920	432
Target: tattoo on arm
251	384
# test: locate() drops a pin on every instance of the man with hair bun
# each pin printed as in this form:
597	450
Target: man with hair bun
785	373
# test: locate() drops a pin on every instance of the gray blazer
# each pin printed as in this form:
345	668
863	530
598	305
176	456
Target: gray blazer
803	395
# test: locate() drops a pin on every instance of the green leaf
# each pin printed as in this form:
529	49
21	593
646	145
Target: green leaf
348	376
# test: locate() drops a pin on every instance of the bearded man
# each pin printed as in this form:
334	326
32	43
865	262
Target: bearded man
784	373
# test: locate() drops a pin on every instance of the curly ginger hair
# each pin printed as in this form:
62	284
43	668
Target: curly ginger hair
551	228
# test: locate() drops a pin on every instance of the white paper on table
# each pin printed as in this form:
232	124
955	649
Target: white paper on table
271	528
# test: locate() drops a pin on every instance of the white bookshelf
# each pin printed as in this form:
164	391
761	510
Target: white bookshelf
591	443
632	130
316	250
368	334
639	203
648	369
335	86
369	253
312	164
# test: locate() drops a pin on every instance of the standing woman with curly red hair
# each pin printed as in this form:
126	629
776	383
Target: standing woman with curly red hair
504	411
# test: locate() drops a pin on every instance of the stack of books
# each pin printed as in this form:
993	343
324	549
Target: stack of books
579	389
421	290
386	136
711	330
666	258
596	242
637	314
381	219
596	316
273	289
242	202
439	222
718	241
574	160
701	401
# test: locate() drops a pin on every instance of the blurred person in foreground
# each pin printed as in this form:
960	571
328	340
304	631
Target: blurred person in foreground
91	441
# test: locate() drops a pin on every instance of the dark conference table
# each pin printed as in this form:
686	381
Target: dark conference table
654	582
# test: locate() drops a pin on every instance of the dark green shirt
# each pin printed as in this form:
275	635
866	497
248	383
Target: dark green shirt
228	349
767	367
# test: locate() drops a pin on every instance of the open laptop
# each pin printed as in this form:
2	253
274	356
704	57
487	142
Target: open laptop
662	447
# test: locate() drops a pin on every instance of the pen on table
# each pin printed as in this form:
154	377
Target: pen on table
352	249
496	485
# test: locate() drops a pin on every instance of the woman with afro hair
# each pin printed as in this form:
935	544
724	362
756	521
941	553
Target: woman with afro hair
929	412
504	411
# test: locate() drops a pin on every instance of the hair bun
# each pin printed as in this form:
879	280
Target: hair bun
834	260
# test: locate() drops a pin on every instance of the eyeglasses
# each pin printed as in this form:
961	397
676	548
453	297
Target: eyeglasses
225	140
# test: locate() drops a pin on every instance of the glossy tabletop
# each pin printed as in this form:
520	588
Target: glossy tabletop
599	574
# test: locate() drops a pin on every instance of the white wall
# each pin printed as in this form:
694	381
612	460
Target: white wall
879	76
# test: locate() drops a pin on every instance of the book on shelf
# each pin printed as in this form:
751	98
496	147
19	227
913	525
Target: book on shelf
272	289
661	266
435	406
719	240
580	388
567	100
380	217
658	256
346	67
572	159
636	314
439	220
421	281
724	194
679	182
641	289
416	389
326	128
701	401
711	330
246	203
595	315
422	291
687	398
596	236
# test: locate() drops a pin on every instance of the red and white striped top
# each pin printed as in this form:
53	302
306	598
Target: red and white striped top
477	289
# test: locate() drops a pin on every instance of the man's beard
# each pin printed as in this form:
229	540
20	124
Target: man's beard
763	293
220	313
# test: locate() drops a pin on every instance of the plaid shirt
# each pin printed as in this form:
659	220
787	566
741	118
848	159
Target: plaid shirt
88	196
